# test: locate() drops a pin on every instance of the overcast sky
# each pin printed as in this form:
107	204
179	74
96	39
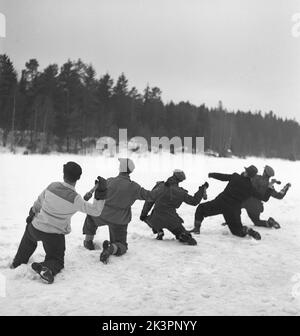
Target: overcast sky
239	51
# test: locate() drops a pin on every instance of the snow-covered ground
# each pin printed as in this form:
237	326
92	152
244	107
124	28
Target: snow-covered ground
223	274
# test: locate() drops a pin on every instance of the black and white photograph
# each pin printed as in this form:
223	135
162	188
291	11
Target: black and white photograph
149	160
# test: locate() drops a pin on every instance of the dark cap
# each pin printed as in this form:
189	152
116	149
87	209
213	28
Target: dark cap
251	171
179	174
269	171
72	171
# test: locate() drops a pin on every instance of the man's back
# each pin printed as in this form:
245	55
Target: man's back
260	183
237	190
121	194
172	197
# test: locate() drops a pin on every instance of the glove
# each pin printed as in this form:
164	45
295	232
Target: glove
101	190
284	190
143	217
204	187
30	217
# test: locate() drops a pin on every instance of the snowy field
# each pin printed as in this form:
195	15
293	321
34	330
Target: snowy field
222	275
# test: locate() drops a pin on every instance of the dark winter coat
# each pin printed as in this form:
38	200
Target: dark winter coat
239	189
261	184
164	214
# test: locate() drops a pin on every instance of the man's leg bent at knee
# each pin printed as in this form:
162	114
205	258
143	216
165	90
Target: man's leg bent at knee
117	245
203	210
26	248
233	219
54	246
89	230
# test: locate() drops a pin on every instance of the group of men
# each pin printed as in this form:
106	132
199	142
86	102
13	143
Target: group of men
50	216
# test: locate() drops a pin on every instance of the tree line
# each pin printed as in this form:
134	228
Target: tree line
66	108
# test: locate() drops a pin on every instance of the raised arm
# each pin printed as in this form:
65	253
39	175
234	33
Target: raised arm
92	209
95	208
220	177
280	195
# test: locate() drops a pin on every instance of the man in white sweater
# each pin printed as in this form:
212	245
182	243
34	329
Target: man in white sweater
49	221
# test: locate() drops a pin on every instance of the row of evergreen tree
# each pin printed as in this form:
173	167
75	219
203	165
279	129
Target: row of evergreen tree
63	107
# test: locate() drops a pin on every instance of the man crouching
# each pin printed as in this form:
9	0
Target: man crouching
49	221
122	192
164	214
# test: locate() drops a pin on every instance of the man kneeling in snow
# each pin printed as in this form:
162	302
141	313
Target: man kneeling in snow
164	214
49	221
229	202
122	192
255	207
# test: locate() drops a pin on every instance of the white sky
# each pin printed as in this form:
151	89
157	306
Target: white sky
239	51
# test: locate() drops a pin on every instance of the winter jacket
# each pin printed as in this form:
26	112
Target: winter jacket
164	213
57	204
121	194
261	184
238	189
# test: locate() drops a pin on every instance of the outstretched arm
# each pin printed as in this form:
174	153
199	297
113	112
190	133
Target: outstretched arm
152	195
92	209
196	199
220	177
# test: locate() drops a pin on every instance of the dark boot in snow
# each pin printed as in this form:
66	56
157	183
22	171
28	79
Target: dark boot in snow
12	266
107	251
192	241
89	245
187	238
196	229
254	234
272	223
44	272
160	235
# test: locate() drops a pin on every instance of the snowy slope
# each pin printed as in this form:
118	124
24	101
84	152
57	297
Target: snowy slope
221	275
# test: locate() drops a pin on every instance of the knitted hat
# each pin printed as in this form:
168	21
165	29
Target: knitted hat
251	171
72	171
126	165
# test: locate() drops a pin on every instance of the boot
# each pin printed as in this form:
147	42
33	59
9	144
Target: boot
187	238
89	245
254	234
272	223
107	251
196	229
160	235
44	272
13	265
